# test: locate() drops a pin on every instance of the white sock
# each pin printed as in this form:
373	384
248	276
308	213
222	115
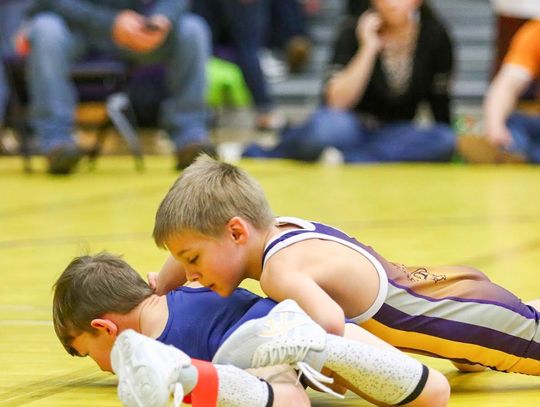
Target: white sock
238	388
386	376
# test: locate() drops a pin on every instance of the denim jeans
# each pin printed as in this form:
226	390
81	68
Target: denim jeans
4	92
525	130
286	21
54	48
401	141
12	14
242	24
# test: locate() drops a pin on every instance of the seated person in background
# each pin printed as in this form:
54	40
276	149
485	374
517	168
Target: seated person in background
4	95
12	14
511	136
242	24
62	31
287	33
4	90
385	63
509	16
98	297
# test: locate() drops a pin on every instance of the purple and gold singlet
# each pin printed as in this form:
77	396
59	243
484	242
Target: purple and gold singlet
450	312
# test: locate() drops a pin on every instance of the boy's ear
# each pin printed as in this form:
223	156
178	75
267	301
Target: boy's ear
105	325
238	229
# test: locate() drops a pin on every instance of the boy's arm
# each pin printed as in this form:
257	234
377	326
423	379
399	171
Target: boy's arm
281	285
171	275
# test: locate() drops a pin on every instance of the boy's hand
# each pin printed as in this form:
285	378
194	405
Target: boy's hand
171	276
153	280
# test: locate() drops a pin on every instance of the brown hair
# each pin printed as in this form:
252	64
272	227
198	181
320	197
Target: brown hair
91	286
206	196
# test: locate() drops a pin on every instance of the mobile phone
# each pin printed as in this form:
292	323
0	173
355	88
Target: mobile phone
151	26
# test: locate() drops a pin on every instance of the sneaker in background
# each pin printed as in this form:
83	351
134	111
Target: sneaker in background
63	160
273	69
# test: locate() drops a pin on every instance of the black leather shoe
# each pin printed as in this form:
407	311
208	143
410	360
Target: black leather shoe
63	160
186	155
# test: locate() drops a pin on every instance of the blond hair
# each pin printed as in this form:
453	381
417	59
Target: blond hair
91	286
206	196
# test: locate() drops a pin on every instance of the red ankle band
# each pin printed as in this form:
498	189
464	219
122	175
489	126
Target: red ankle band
205	393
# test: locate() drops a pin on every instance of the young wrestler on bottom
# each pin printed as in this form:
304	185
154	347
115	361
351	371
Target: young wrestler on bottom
215	211
97	297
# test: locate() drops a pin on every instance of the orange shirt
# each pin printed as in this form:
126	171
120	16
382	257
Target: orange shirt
525	48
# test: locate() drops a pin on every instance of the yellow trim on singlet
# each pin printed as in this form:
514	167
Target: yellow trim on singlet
452	350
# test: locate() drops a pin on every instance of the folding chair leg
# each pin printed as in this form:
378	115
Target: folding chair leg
94	152
18	115
121	114
20	127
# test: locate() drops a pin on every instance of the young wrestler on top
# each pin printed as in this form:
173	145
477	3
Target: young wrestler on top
215	211
98	297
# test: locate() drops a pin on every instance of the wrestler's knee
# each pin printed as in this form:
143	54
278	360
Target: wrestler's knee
436	392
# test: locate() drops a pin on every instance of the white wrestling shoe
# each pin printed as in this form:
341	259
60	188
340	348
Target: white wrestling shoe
287	335
149	372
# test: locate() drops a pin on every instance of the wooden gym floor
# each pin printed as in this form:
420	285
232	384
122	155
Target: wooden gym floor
484	216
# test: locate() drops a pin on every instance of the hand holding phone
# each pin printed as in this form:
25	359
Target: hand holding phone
151	26
368	29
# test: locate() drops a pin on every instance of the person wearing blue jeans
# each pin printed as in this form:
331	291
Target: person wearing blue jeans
511	136
4	92
385	63
63	31
525	131
358	142
287	32
243	24
12	14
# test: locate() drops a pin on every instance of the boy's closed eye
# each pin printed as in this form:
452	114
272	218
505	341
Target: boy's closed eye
193	260
74	352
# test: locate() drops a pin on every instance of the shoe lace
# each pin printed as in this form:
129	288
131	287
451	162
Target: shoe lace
316	378
178	394
177	386
294	355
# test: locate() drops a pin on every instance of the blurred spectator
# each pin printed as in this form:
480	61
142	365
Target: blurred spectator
510	15
242	24
287	31
11	17
385	63
512	137
517	8
4	91
12	14
62	31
